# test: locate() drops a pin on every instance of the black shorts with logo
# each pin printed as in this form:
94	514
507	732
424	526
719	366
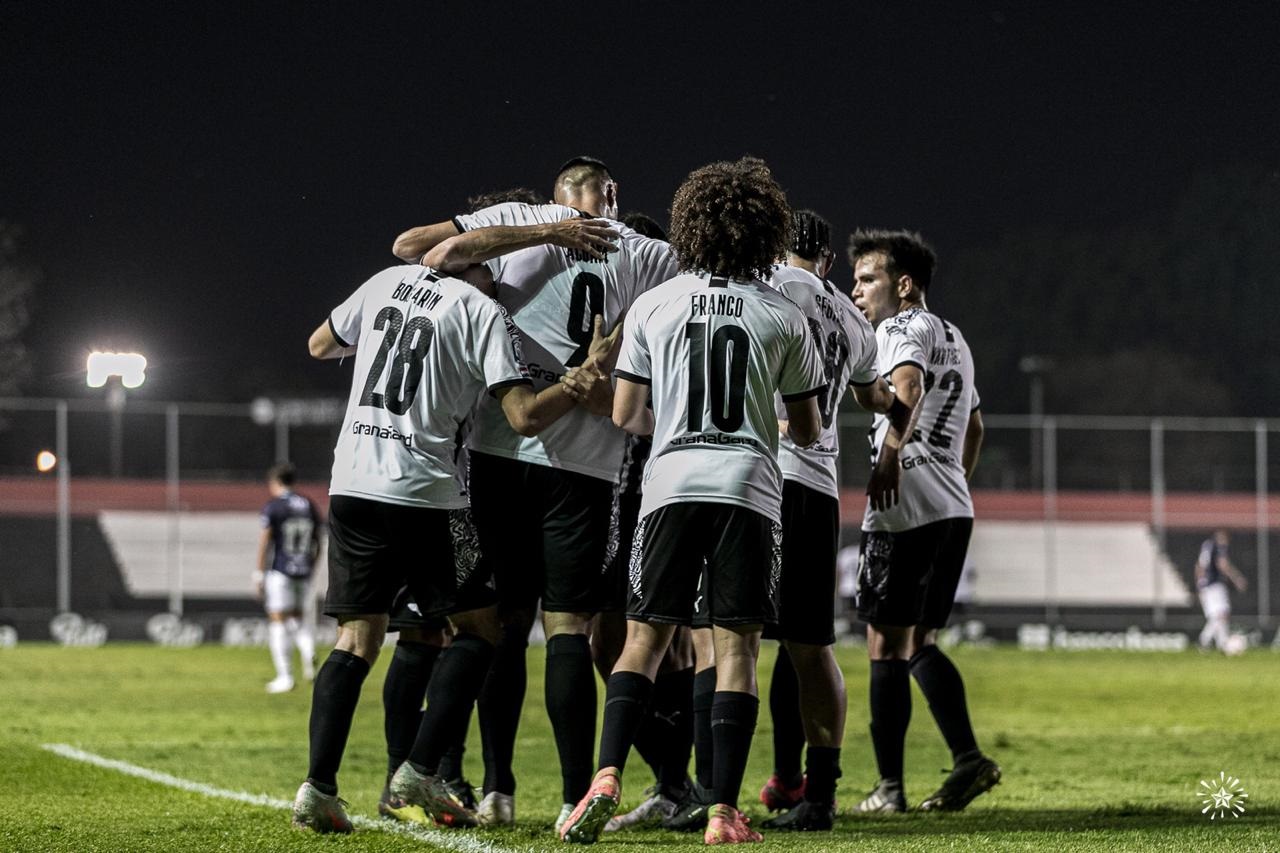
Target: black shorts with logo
405	615
910	577
377	548
545	531
807	586
738	548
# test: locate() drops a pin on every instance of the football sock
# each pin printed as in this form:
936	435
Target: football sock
733	723
788	728
451	762
704	692
890	714
673	706
305	639
499	708
943	688
822	768
459	675
571	705
278	643
333	704
626	703
403	690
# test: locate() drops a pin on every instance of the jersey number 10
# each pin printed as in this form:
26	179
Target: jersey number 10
725	372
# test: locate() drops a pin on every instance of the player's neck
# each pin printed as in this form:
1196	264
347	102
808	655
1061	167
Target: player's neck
913	302
803	264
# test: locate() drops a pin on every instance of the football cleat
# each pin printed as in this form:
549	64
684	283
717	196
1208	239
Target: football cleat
887	797
463	790
496	809
777	796
966	780
394	808
727	825
586	822
280	684
691	812
805	817
319	812
654	809
411	790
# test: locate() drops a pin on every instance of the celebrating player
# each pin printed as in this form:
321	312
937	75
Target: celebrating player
287	552
919	517
713	345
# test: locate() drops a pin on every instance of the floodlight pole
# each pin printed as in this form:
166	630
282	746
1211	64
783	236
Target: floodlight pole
172	501
64	509
115	404
1050	491
1158	520
1264	523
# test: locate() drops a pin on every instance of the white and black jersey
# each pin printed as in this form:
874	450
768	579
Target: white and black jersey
847	345
716	351
428	347
552	294
932	485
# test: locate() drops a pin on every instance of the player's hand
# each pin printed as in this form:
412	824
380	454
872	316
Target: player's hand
883	487
591	389
258	590
602	352
592	236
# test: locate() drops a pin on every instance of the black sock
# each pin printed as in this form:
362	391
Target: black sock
788	728
459	675
626	702
704	693
942	686
571	705
402	693
733	723
451	762
673	705
890	714
333	705
822	766
499	707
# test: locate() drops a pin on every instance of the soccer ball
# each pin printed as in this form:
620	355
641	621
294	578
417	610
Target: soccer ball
1236	644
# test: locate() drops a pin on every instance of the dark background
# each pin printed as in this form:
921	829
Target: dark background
203	182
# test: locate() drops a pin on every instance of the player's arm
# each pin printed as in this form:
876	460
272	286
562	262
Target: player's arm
876	397
804	421
589	382
260	568
411	245
325	344
630	407
972	443
1233	574
903	413
530	413
591	236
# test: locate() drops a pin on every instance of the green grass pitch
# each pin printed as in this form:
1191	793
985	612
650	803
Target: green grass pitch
1100	750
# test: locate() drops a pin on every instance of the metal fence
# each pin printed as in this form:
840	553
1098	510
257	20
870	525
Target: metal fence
175	446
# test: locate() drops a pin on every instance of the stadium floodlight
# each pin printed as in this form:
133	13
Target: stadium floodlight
131	367
45	461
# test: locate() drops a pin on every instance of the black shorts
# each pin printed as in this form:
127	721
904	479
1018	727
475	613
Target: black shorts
807	586
405	615
737	547
376	548
546	532
910	577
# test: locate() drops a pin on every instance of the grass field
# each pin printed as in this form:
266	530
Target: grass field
1100	751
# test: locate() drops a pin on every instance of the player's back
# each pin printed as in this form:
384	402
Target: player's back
428	346
847	344
715	351
553	293
293	520
932	484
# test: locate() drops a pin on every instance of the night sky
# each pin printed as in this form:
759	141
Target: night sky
203	183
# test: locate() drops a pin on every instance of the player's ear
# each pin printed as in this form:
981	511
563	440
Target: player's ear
905	286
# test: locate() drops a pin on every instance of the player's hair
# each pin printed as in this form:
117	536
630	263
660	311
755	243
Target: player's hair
905	252
577	172
810	235
522	195
730	219
644	225
284	474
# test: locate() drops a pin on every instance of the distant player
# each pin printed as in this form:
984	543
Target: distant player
711	347
542	505
287	552
916	529
807	694
426	347
1213	569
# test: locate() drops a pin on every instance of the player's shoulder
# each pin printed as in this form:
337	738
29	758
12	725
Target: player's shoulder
788	279
911	323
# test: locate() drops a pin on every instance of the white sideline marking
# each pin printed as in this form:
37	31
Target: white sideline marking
449	840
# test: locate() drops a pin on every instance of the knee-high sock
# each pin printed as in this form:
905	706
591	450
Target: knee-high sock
459	674
704	693
571	705
942	686
451	761
890	714
305	639
788	727
333	704
626	703
733	723
403	692
278	643
501	701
